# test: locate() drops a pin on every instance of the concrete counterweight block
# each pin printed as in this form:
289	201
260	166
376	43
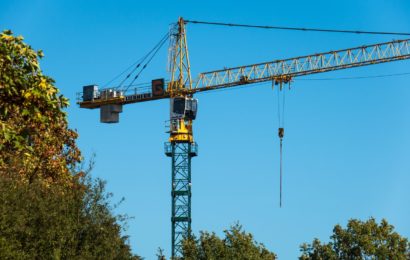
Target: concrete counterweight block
110	113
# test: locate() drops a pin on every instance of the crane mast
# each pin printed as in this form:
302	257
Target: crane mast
181	147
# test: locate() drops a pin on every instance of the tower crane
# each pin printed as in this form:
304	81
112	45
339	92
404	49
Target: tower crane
180	90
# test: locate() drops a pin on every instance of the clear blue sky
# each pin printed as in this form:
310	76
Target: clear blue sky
347	143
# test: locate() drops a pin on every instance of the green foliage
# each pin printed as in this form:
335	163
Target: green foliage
47	210
34	136
360	240
58	222
237	244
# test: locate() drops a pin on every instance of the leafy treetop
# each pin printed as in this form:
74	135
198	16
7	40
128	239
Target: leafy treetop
360	240
35	140
237	244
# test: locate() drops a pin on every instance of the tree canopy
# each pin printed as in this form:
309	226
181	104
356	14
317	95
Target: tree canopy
58	222
49	207
35	141
237	244
360	240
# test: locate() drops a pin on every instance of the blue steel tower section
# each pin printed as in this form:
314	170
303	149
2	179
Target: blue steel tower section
181	154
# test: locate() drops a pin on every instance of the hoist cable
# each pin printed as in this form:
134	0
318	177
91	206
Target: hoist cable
297	28
281	106
278	106
281	175
281	132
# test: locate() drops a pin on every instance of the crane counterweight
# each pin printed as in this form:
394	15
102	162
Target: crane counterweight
110	113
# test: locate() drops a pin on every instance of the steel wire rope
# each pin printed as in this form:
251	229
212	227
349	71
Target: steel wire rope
281	110
139	62
280	174
281	126
122	73
297	28
156	49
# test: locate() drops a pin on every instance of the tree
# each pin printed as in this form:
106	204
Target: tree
360	240
35	140
237	244
59	222
49	208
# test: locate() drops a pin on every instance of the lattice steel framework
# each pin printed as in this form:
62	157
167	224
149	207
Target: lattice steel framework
179	58
279	70
181	154
304	65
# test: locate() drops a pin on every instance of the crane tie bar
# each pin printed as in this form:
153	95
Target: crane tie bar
297	28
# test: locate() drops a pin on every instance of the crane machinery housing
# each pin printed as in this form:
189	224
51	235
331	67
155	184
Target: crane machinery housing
180	90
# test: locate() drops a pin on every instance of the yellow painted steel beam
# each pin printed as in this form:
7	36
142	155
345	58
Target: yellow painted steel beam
305	65
96	103
279	70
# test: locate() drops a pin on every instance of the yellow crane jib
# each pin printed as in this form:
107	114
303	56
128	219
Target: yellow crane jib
284	70
278	71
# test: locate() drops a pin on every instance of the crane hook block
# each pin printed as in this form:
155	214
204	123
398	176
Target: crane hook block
281	132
